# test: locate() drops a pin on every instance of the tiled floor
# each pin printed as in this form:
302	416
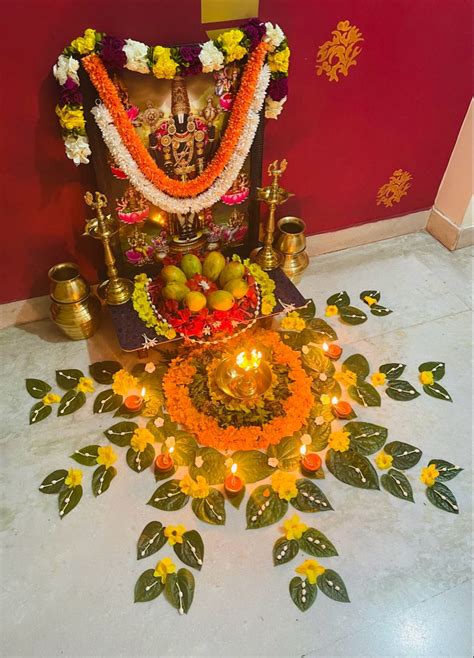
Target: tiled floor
68	585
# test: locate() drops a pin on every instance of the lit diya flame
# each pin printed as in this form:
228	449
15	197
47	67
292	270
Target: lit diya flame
248	362
310	462
233	469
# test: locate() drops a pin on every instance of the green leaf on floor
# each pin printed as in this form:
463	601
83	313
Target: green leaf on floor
375	294
319	436
107	401
37	388
321	330
53	483
284	550
252	465
331	584
168	497
339	299
210	509
191	551
148	587
68	379
101	479
392	370
379	310
39	412
264	507
287	452
140	461
212	468
314	358
71	402
121	433
352	468
366	438
307	312
398	389
404	455
310	498
185	448
442	497
315	543
86	456
179	590
352	315
397	484
237	499
103	371
437	391
123	412
447	471
365	394
152	538
357	363
68	499
438	369
302	593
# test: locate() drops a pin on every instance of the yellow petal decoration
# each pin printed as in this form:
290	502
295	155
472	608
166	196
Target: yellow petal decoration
74	478
428	475
310	569
284	484
294	528
426	377
85	385
383	460
378	379
396	188
174	534
331	310
51	398
163	568
339	441
337	55
106	456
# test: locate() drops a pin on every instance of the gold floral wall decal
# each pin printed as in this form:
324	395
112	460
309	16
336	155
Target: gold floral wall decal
340	53
395	189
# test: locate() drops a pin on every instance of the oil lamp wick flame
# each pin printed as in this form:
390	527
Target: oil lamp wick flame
233	469
334	400
248	362
171	450
303	450
142	392
325	347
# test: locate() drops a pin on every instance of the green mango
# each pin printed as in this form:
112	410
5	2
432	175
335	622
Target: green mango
220	300
172	273
233	270
191	265
213	265
237	287
175	290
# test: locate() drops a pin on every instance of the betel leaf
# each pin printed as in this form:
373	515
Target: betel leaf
210	509
264	507
39	412
169	497
103	371
446	470
252	465
191	551
308	311
68	379
442	497
357	363
101	479
404	455
287	452
68	499
302	593
436	367
53	483
139	461
86	456
107	401
331	584
437	391
152	538
213	465
375	294
315	359
37	388
392	370
365	394
148	587
398	389
236	499
123	412
339	299
316	543
319	436
310	498
352	468
366	438
179	590
185	448
121	433
284	550
379	310
352	315
396	483
321	330
71	401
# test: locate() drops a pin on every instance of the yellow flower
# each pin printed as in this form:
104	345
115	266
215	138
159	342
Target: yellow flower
200	488
311	569
428	475
325	399
370	300
174	534
378	378
284	484
51	398
294	529
153	407
85	44
141	437
383	460
278	61
331	310
426	377
163	568
346	377
267	308
71	118
106	456
293	322
168	333
186	485
229	41
74	478
85	385
123	382
164	66
339	441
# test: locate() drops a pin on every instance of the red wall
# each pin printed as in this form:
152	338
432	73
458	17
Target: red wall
401	106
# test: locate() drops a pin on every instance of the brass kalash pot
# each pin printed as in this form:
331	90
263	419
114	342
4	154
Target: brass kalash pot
291	244
74	309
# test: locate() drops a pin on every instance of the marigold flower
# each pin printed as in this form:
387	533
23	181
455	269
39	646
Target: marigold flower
429	474
141	437
346	377
293	322
164	568
106	456
51	398
85	385
331	310
74	478
311	569
123	382
426	377
284	484
378	378
383	460
174	534
339	441
370	300
294	528
153	407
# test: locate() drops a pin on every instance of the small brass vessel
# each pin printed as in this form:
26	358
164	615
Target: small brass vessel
242	383
291	244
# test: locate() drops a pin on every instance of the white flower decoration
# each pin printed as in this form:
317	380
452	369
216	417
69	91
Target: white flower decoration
305	349
323	377
137	54
319	420
198	462
67	67
150	367
273	108
170	442
211	57
77	149
159	422
306	439
273	462
274	35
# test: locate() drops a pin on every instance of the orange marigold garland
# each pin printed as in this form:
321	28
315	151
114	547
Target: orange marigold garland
208	432
109	96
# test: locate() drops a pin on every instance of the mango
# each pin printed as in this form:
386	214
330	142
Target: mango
213	265
191	265
220	300
233	270
175	290
195	301
172	273
237	287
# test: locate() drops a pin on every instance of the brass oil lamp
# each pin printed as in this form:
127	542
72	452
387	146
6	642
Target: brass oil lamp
244	376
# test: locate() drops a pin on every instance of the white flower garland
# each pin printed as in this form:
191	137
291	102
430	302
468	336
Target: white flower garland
124	159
